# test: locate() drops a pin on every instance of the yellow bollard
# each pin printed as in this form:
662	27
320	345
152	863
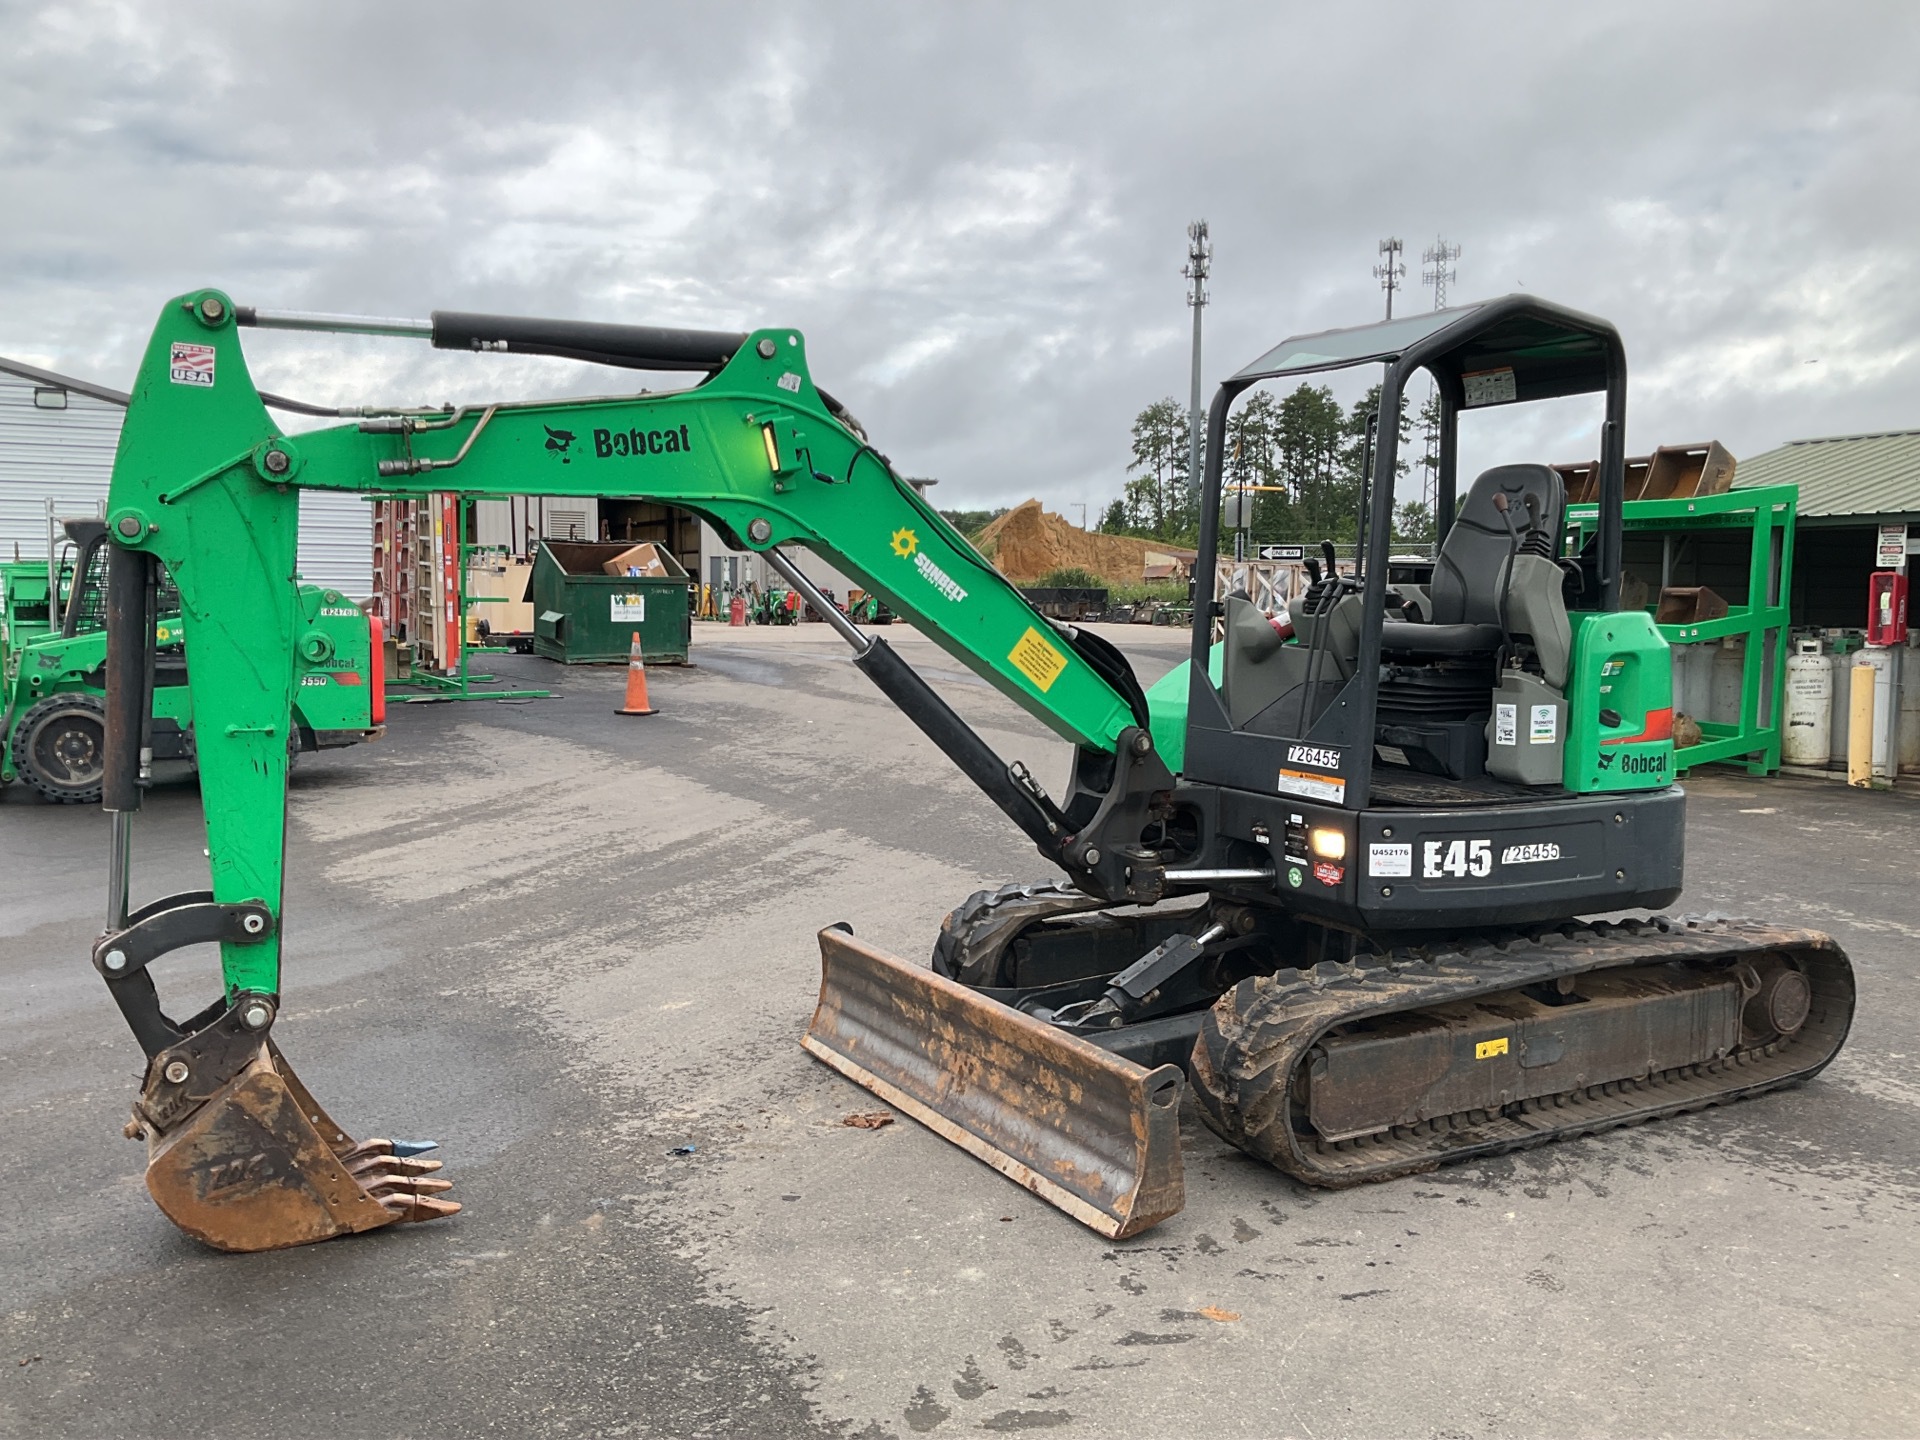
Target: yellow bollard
1860	726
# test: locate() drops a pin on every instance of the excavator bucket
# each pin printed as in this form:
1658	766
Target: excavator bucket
1085	1130
258	1165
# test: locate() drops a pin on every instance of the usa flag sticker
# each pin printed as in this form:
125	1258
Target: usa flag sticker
191	364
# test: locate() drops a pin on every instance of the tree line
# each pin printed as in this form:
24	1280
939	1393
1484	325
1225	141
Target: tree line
1300	455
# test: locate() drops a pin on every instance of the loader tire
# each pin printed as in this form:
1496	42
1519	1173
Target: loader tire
60	748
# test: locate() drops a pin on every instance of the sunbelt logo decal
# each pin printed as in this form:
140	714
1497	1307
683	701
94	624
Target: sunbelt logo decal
906	545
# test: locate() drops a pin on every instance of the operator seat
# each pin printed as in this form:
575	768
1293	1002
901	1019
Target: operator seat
1471	573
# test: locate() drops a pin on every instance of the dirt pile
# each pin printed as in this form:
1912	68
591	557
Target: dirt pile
1028	542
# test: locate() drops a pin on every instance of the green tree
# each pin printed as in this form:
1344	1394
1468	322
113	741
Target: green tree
1159	497
1413	523
971	522
1114	520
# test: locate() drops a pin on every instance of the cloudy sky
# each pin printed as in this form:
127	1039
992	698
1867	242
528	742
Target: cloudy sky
977	212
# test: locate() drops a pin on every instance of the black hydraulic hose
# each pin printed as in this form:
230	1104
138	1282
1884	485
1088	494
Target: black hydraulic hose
129	638
900	683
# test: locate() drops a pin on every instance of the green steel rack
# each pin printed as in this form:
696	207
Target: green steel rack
1767	514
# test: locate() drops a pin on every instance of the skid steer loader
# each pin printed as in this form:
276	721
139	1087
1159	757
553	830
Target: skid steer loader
1333	881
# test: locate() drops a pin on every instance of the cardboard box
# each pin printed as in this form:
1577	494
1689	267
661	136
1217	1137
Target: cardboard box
641	560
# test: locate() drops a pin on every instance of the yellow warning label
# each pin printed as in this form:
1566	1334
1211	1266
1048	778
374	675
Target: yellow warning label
1487	1049
1034	658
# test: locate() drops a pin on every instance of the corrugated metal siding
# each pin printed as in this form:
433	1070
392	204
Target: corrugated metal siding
336	542
61	455
1864	475
67	456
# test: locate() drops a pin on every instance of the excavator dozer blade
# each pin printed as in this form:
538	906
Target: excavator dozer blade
258	1165
1085	1130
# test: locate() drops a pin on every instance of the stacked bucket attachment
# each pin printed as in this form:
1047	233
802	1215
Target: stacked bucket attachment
1338	1073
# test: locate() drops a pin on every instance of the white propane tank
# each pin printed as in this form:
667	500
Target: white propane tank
1729	681
1696	671
1879	659
1841	716
1809	706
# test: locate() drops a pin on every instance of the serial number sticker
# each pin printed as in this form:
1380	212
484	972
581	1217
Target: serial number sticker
1506	724
1390	862
1490	387
1314	787
1487	1049
191	364
1034	658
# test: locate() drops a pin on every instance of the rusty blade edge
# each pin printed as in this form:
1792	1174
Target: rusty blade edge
1094	1218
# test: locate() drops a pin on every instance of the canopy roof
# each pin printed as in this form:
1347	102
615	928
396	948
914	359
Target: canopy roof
1502	351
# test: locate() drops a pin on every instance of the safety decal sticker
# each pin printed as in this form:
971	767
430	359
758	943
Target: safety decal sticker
1546	724
1506	724
1390	862
191	364
1034	658
1487	1049
1489	387
1330	788
790	382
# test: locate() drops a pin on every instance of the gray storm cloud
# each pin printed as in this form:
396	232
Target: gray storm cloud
976	212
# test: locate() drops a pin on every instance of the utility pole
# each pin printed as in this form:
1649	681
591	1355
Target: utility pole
1199	264
1390	271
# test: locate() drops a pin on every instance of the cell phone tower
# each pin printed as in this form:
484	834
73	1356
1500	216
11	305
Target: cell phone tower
1390	271
1439	271
1199	265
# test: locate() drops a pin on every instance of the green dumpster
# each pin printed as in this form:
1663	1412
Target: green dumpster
584	616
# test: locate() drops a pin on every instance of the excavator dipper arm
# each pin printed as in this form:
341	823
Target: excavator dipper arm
207	485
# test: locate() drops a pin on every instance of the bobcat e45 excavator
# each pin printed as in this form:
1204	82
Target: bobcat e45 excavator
1331	880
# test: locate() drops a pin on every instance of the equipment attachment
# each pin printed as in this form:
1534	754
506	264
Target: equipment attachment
257	1164
1087	1131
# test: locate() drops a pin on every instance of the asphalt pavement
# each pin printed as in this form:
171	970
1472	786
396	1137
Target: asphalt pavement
578	950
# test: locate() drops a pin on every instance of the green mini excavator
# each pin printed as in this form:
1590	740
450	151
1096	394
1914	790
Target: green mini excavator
1331	879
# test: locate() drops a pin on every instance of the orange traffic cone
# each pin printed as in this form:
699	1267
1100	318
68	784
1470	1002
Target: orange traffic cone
637	702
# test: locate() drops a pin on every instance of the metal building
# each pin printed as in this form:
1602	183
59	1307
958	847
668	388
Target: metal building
1859	496
57	440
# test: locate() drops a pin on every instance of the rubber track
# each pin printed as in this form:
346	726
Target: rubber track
1258	1034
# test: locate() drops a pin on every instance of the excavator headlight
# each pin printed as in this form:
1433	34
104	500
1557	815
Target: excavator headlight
773	447
1328	843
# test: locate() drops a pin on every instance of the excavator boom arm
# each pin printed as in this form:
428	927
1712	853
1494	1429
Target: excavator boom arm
208	484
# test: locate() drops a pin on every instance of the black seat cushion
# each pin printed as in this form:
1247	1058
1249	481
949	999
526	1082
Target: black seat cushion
1418	639
1470	573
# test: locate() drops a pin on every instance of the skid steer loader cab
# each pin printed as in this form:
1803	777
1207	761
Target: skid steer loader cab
1491	747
